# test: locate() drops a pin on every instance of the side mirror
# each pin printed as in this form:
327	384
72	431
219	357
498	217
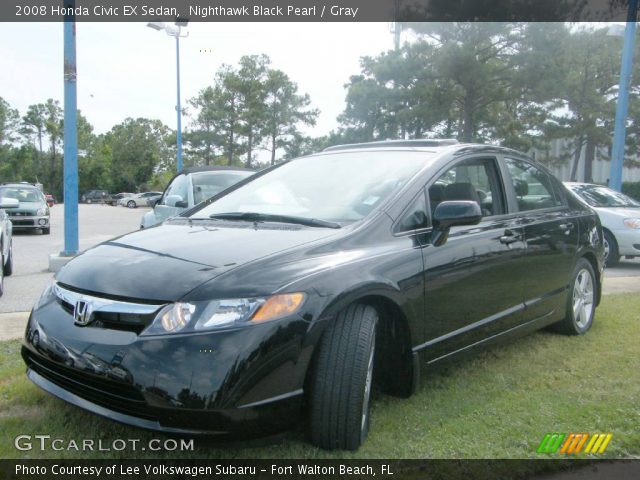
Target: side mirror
173	200
9	203
453	213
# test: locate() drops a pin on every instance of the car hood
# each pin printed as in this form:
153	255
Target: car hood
27	207
166	262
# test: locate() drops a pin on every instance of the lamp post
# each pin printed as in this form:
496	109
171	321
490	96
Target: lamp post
70	174
177	32
617	152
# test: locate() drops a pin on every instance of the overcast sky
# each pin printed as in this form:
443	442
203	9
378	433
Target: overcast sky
128	70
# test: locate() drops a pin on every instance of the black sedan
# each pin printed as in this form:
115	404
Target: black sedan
294	292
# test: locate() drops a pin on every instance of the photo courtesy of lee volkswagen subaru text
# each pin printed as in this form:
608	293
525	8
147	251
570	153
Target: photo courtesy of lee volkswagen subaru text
294	293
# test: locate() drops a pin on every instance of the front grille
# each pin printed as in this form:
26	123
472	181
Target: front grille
21	214
108	313
128	322
22	223
118	397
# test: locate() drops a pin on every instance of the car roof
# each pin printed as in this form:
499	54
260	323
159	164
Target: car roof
436	146
216	168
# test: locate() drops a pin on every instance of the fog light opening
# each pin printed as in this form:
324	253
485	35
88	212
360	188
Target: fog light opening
42	221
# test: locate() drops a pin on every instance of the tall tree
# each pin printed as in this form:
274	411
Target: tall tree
285	111
251	88
9	118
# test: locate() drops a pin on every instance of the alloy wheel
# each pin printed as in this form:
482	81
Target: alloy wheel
583	298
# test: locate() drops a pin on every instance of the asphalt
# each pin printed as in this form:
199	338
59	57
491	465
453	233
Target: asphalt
99	223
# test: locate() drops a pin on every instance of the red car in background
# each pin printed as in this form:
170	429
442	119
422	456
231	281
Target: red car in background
51	200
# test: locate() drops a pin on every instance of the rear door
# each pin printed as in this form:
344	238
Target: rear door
472	287
551	236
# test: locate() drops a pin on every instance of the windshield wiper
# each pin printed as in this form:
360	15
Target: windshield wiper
268	217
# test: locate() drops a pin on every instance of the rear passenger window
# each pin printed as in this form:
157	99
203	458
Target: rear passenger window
533	187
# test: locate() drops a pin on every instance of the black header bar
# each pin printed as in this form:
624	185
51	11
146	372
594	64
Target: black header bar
315	10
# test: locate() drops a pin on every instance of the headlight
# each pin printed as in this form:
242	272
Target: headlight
632	222
184	317
42	211
46	295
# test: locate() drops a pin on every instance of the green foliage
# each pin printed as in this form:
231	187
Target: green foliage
632	189
248	108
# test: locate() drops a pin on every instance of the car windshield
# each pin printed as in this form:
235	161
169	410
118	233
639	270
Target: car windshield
598	196
208	184
342	187
22	194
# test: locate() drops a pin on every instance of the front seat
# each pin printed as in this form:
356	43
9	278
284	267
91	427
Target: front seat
463	191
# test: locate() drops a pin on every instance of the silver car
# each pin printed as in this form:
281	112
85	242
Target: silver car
32	212
192	186
620	218
6	239
139	199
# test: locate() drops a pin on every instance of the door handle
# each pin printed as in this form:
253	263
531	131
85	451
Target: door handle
509	237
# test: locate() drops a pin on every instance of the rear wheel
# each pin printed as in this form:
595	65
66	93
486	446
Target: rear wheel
340	398
131	204
1	272
611	253
581	301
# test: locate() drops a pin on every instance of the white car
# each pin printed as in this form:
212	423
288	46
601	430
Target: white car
619	215
139	199
6	239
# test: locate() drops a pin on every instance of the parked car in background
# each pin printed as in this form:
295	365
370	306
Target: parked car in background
95	196
32	212
620	217
114	199
292	294
51	200
139	199
192	186
6	239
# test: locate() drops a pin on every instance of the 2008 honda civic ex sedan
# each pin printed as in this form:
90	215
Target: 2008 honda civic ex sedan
293	293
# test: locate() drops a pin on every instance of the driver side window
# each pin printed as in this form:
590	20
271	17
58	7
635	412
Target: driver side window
476	180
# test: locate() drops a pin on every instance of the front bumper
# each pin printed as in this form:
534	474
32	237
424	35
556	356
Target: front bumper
628	241
240	383
29	222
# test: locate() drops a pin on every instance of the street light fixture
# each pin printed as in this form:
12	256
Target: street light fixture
177	31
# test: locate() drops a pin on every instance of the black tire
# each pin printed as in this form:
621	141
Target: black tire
340	386
579	324
7	268
46	231
88	200
131	204
612	258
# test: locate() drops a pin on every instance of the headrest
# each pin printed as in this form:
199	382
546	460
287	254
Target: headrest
436	192
461	191
521	187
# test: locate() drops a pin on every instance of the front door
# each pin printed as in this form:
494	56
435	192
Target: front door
472	288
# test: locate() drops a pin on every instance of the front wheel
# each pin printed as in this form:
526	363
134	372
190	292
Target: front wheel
581	300
611	254
131	204
7	268
340	395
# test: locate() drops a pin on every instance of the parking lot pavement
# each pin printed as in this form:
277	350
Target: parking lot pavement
31	250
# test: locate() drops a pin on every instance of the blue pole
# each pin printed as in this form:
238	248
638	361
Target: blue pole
179	111
70	137
617	153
